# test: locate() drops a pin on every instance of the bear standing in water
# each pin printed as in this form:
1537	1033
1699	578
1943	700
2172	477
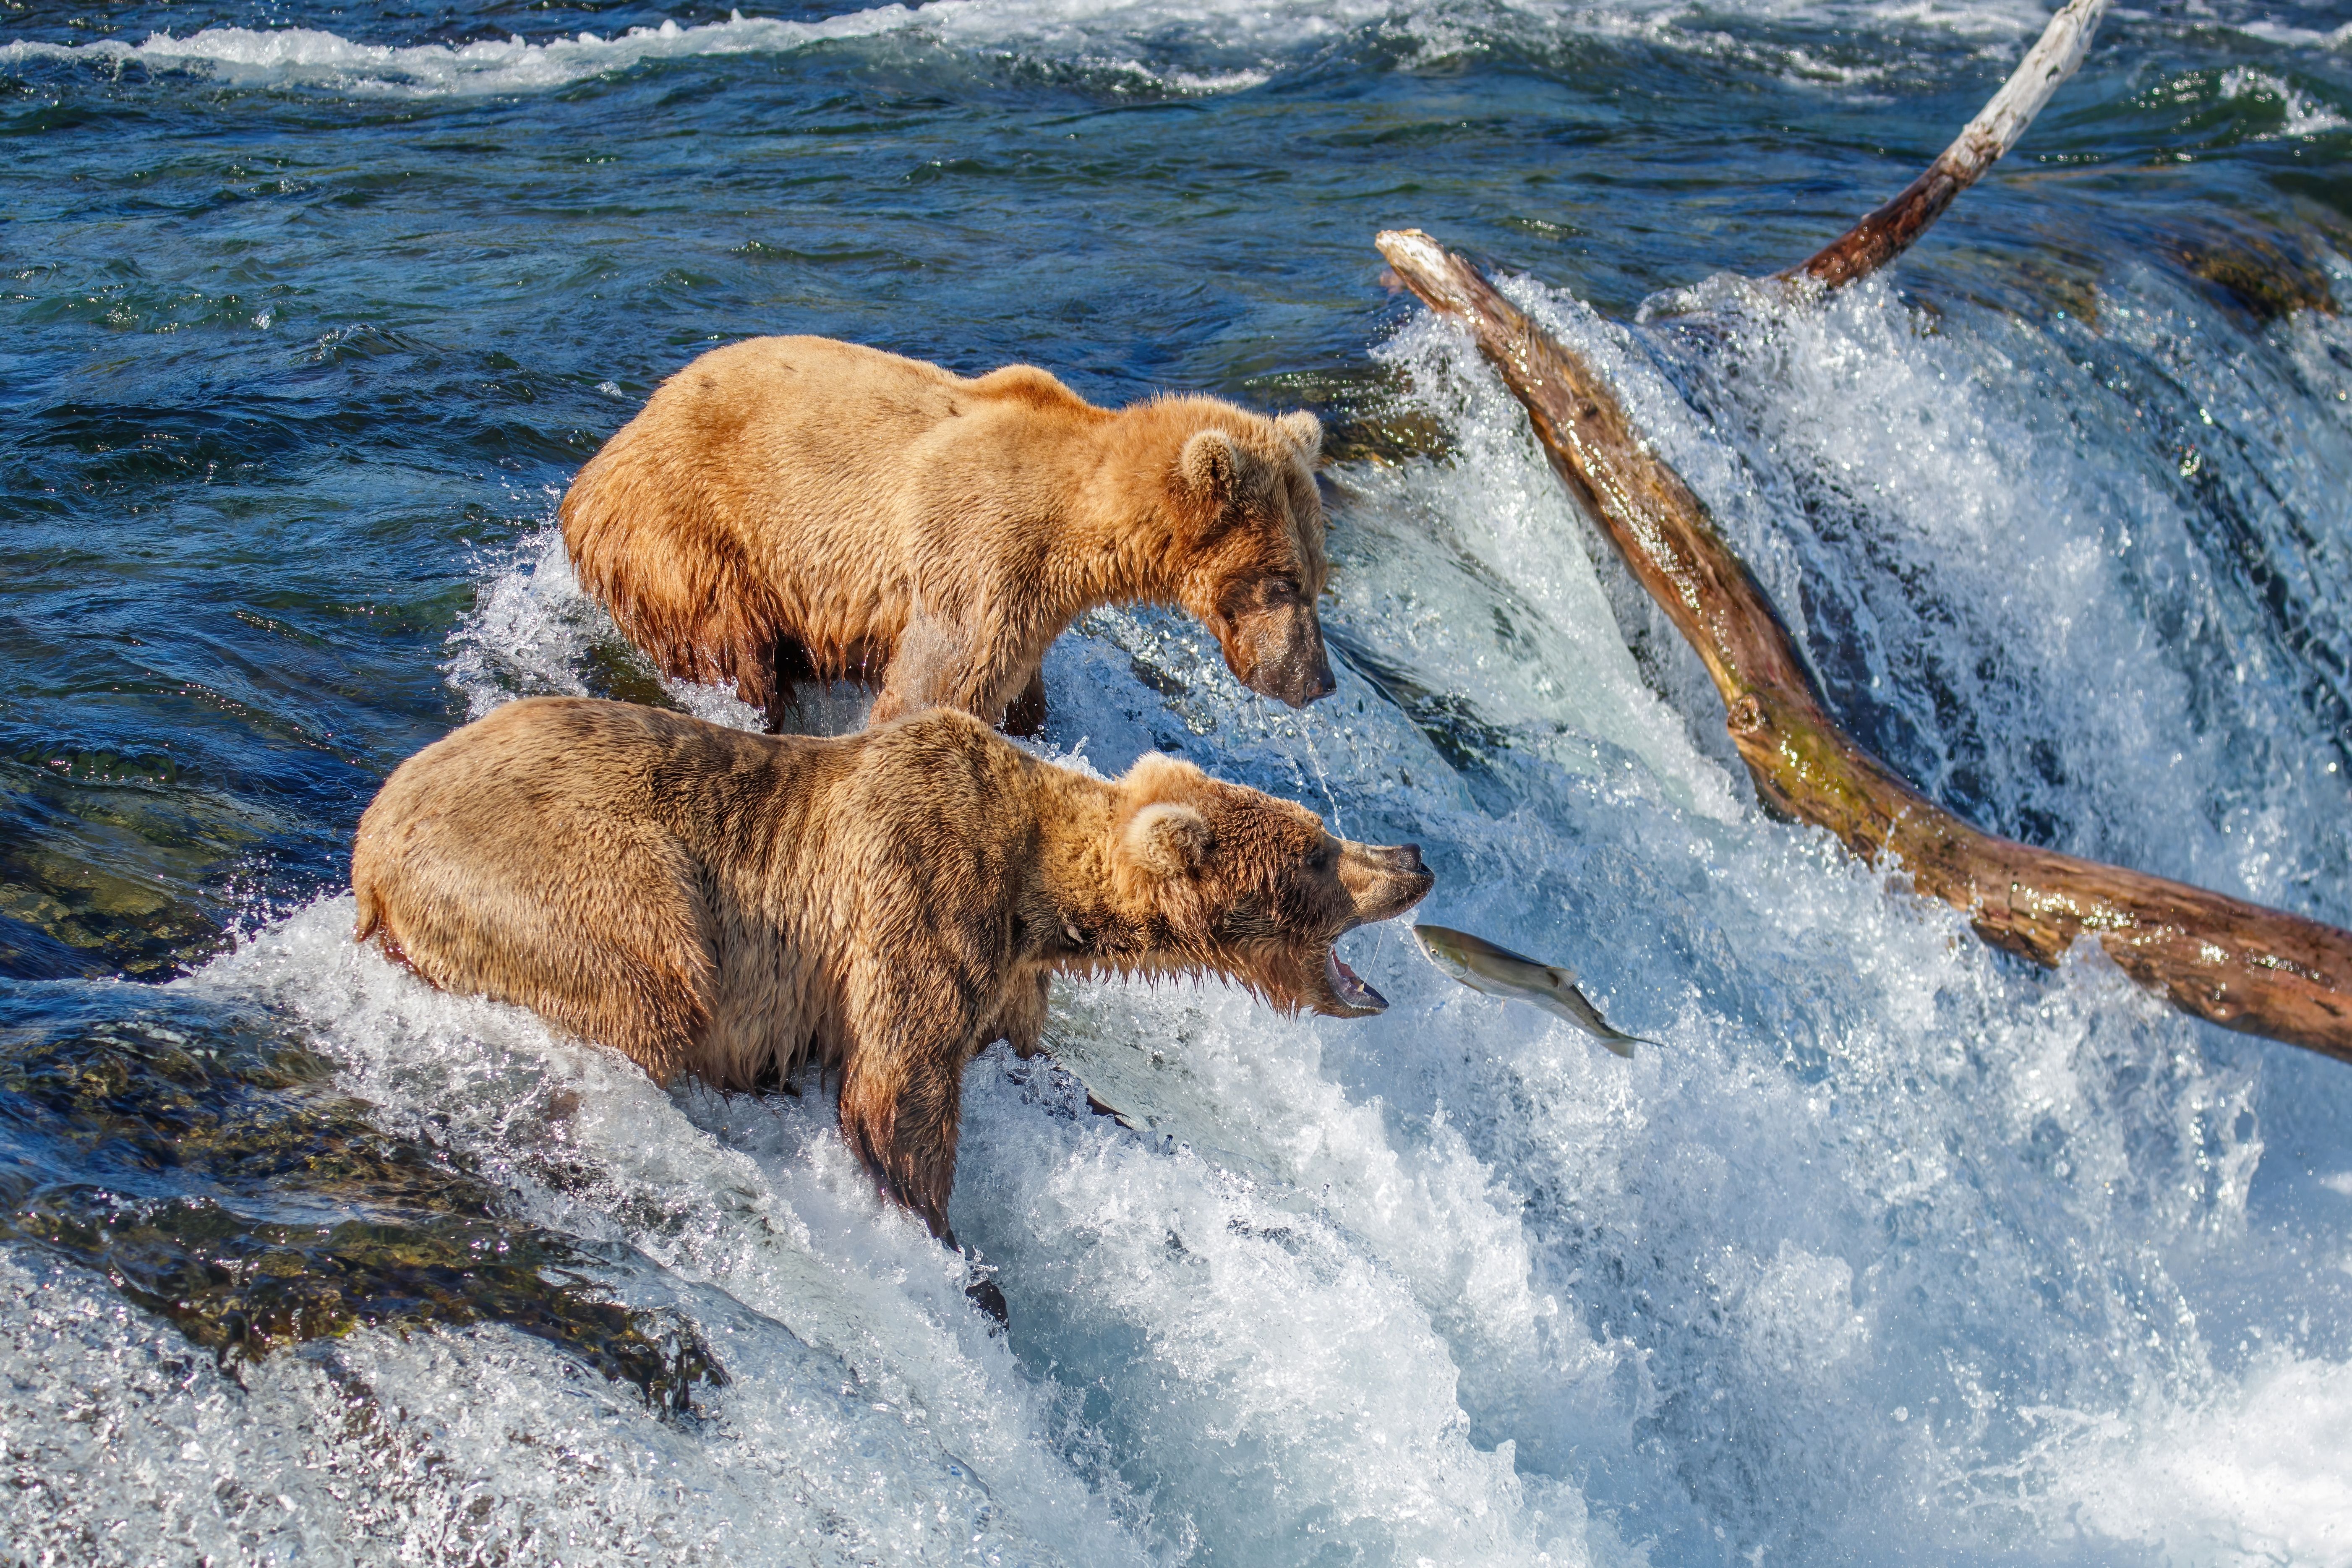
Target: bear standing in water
887	904
786	508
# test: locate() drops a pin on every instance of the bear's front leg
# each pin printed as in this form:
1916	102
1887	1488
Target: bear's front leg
913	1024
901	1119
944	664
910	1026
931	667
1021	1020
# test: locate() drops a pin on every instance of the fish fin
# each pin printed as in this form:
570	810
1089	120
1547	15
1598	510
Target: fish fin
1561	974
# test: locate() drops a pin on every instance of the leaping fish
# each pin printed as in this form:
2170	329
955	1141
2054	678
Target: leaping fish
1498	971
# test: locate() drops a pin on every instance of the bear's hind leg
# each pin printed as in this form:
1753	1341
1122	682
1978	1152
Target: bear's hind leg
603	937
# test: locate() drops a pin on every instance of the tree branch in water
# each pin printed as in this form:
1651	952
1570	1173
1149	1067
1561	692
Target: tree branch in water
2217	958
1887	233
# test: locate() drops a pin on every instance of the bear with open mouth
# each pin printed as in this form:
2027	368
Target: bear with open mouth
884	904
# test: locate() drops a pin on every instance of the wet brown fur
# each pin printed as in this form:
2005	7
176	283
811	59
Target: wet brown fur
827	510
885	904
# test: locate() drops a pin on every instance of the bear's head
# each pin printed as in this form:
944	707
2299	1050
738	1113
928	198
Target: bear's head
1213	876
1258	563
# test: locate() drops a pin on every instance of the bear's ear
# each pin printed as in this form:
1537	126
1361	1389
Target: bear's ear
1304	431
1167	840
1207	465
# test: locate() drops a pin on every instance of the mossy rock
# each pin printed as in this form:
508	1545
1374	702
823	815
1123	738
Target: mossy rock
220	1181
2262	276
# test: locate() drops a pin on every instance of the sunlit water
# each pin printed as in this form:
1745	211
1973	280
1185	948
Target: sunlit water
1895	1250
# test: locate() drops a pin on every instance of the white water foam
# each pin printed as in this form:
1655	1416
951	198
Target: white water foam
1945	432
1184	47
476	1445
529	630
2244	1455
2304	115
1557	672
2046	480
2270	30
244	57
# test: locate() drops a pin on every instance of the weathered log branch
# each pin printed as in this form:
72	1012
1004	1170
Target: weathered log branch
1889	231
2218	957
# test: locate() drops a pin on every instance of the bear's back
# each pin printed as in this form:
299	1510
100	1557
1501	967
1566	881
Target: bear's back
806	402
553	756
568	804
796	452
551	796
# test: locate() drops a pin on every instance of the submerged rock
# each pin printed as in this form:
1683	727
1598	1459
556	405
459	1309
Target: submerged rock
222	1185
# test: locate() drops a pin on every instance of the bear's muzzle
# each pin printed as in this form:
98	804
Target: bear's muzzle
1279	653
1384	880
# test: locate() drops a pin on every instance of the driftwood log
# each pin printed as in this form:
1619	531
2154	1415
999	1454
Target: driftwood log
2218	957
1886	233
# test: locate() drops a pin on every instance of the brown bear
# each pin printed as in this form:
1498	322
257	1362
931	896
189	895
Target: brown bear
785	508
884	904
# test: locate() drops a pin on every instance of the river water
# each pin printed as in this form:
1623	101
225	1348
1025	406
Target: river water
1893	1250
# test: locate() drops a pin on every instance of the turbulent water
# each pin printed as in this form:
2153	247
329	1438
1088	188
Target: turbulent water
1894	1249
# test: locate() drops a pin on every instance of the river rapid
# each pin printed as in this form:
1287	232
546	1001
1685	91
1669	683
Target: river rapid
1893	1250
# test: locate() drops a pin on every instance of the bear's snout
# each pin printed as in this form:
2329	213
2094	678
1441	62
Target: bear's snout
1282	656
1384	879
1395	857
1314	683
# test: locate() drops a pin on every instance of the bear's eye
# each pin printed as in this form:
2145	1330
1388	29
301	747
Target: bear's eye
1319	861
1281	591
